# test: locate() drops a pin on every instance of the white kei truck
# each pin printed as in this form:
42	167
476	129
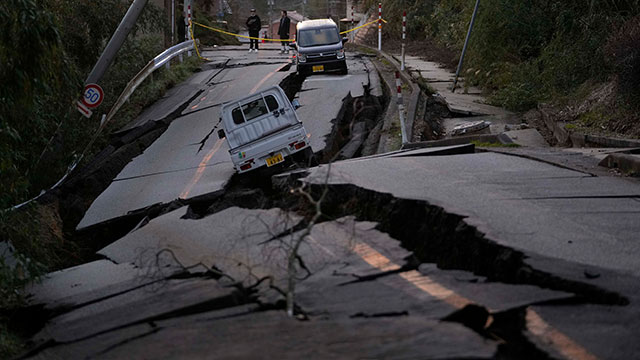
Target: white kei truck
263	129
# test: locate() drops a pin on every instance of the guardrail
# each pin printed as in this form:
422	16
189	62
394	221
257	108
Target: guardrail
163	59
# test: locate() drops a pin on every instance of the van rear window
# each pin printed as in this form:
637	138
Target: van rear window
254	109
318	37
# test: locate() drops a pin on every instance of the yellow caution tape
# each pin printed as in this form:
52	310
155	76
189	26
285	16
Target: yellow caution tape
267	39
195	45
242	36
361	26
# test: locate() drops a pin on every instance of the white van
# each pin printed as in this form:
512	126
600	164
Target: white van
263	129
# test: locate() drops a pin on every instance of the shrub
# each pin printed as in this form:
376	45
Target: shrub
41	81
623	53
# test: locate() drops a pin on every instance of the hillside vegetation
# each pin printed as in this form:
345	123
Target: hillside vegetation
47	49
524	53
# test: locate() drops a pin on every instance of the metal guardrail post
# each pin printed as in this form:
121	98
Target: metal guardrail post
163	59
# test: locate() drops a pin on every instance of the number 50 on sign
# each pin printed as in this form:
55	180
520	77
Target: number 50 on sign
93	95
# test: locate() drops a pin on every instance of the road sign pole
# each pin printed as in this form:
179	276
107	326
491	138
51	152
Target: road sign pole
404	36
189	25
352	32
379	26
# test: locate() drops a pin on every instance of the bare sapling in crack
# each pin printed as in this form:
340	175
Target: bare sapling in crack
293	257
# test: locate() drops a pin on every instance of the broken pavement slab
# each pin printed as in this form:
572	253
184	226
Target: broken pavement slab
271	334
376	269
504	195
527	137
231	241
89	282
584	324
628	164
471	103
140	305
441	80
333	89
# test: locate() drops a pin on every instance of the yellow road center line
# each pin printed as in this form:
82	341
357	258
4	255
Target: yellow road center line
205	160
422	282
535	324
567	347
201	167
266	78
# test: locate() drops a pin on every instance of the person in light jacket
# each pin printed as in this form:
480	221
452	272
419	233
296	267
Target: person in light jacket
283	31
254	25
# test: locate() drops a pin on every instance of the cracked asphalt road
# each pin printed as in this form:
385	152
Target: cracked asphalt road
418	254
172	168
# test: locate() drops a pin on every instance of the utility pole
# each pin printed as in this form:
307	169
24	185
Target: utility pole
173	22
466	42
271	3
118	38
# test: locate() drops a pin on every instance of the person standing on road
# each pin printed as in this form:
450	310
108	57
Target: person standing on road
283	31
254	25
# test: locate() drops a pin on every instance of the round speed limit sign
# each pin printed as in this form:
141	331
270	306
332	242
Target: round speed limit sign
93	95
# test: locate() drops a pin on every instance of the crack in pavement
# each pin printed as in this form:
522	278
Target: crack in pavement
221	67
154	329
218	303
255	63
379	315
373	277
170	171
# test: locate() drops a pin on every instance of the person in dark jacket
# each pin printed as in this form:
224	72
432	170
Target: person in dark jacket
254	25
283	31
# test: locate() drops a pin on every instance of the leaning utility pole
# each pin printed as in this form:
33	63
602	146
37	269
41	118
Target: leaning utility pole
118	38
466	43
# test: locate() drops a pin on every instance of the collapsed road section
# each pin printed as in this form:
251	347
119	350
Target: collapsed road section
431	253
152	184
455	278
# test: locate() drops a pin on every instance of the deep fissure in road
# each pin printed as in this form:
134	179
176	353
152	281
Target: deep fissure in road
434	236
